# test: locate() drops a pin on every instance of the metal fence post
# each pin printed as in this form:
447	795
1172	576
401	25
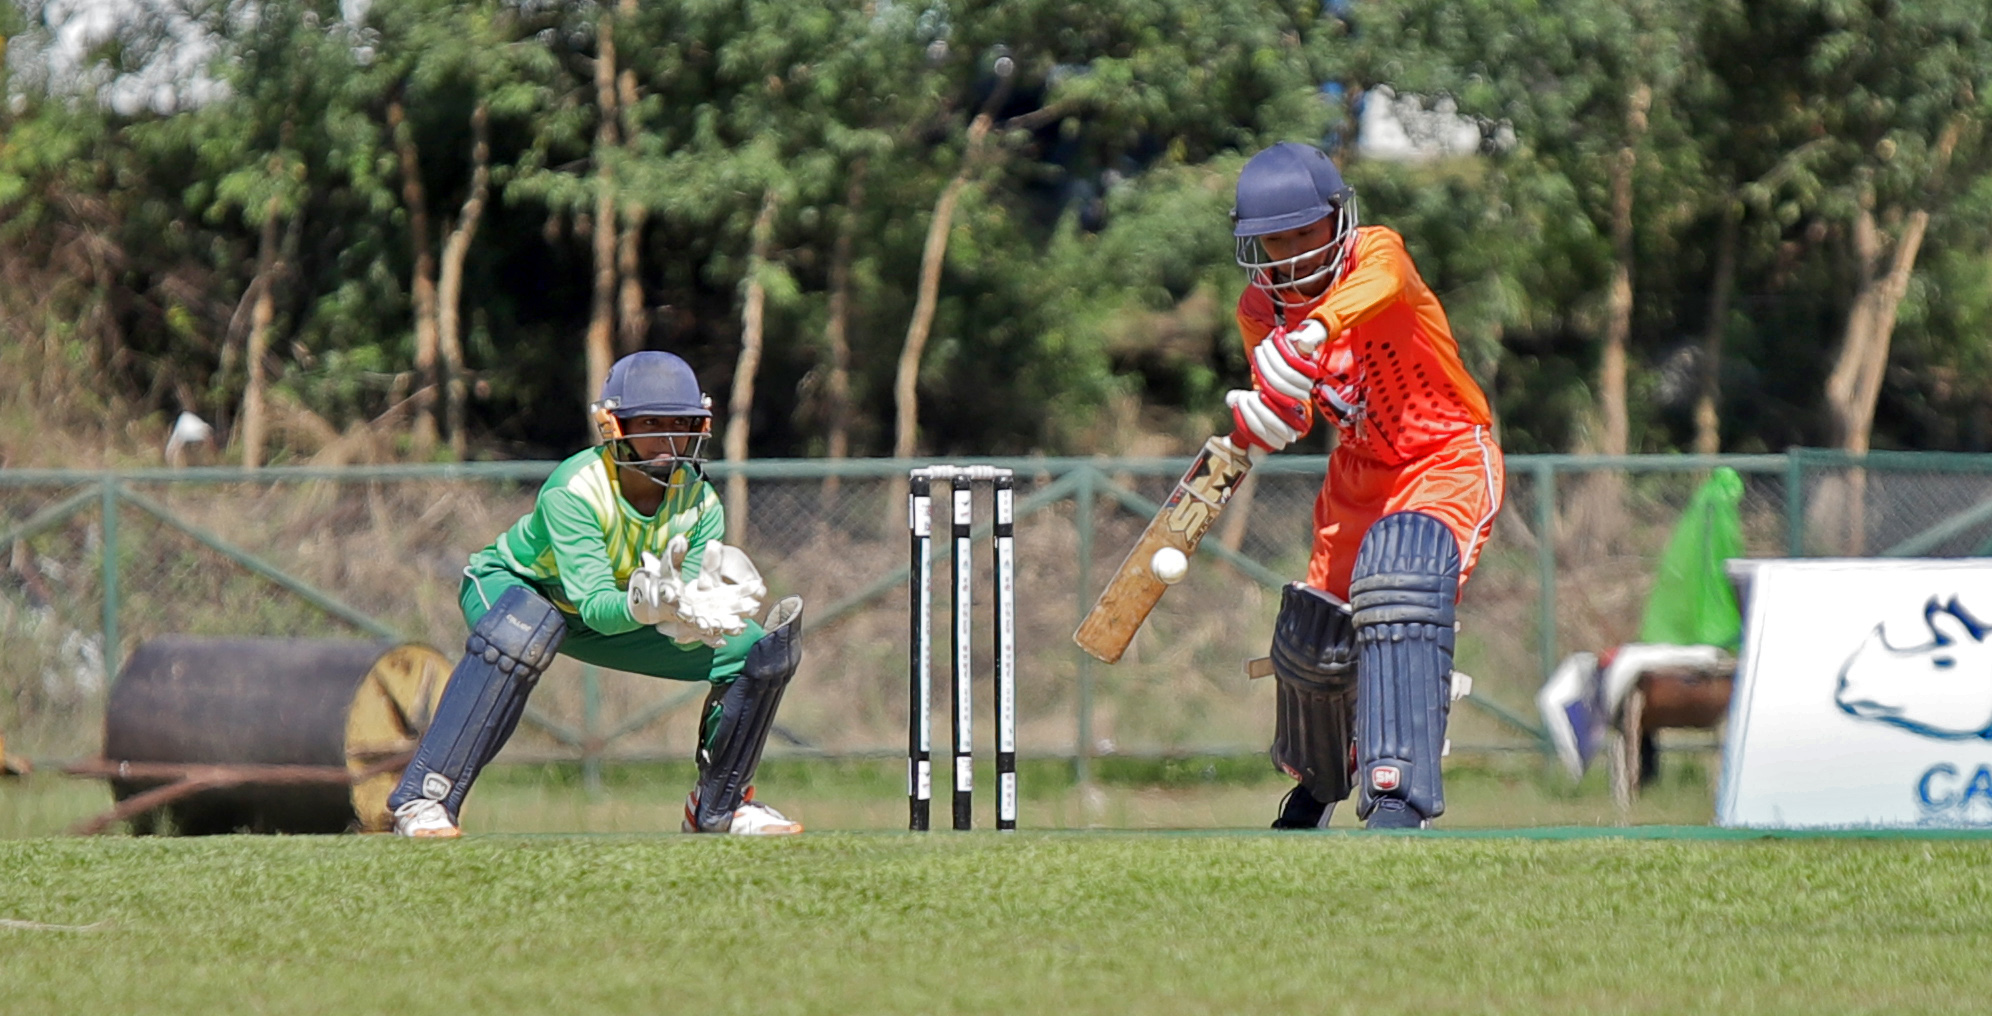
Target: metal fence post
591	725
1081	765
110	579
1545	523
1794	503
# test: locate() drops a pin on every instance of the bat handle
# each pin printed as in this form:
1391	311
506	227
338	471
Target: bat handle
1246	448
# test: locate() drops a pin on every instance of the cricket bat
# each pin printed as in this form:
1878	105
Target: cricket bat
1184	519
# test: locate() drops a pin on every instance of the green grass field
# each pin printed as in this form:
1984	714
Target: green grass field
1035	922
1661	919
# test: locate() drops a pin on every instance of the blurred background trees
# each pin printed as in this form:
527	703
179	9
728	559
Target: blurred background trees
413	229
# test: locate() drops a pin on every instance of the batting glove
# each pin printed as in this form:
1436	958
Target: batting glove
1260	424
1284	361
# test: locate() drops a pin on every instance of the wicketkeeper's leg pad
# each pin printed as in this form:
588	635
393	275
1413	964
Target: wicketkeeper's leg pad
1314	663
730	750
1405	581
508	649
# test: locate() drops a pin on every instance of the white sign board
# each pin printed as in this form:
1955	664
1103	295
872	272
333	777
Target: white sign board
1863	696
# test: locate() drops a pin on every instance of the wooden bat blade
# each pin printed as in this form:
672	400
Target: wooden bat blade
1184	519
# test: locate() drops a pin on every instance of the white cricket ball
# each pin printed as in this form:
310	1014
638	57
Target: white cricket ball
1169	565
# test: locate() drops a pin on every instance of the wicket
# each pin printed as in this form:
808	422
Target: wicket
960	481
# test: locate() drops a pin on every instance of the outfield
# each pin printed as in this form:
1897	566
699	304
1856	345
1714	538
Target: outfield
1032	922
1666	919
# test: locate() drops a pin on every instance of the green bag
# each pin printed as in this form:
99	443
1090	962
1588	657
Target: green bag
1692	603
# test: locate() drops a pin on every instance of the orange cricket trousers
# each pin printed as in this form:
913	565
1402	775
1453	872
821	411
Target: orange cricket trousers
1459	483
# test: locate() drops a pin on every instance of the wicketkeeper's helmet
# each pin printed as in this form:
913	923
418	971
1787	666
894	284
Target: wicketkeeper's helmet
654	383
1288	186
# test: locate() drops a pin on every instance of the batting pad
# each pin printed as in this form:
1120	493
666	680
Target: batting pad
746	715
508	649
1405	581
1314	662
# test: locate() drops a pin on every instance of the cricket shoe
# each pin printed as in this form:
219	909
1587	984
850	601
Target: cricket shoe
425	819
752	818
1391	813
1301	810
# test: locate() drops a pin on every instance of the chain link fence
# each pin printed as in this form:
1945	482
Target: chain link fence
97	563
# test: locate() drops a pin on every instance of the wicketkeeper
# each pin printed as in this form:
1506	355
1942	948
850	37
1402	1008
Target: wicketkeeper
1337	317
619	564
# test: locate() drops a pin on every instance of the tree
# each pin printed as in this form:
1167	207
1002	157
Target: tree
284	135
1872	171
461	65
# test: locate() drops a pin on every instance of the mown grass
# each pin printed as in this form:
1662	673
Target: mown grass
1030	922
1198	792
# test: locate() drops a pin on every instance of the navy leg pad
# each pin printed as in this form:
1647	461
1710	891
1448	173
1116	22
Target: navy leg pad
1312	734
1314	662
1405	580
508	649
746	715
1314	640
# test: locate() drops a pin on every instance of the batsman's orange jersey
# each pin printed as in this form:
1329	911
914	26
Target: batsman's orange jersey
1413	422
1395	384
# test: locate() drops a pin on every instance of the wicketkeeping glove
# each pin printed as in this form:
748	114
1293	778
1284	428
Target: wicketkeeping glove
717	604
654	587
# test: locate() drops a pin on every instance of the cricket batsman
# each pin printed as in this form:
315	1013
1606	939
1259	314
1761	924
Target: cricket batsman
619	564
1336	317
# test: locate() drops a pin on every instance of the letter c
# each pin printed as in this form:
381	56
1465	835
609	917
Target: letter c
1923	787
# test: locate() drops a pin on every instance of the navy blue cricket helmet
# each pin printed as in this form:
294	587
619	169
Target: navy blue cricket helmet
1285	187
655	383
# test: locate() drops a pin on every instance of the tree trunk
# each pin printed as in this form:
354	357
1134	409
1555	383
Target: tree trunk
1855	384
456	250
1839	511
836	334
1614	431
633	322
1598	504
1839	515
423	286
601	316
906	422
740	406
254	416
1708	421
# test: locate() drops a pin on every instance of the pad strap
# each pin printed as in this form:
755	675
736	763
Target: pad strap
508	649
1406	578
732	752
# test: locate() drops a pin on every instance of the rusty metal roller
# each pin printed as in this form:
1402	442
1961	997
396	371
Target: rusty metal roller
253	704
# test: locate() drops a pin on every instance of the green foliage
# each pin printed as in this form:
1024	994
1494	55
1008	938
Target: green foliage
1089	269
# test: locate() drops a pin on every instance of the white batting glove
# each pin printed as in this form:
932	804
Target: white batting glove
1250	412
654	587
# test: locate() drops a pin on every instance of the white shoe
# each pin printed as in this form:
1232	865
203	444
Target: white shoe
424	819
752	818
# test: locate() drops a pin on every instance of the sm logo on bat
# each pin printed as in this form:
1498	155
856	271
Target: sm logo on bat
1203	493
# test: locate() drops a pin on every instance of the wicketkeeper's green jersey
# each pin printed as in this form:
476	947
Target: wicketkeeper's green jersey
582	540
